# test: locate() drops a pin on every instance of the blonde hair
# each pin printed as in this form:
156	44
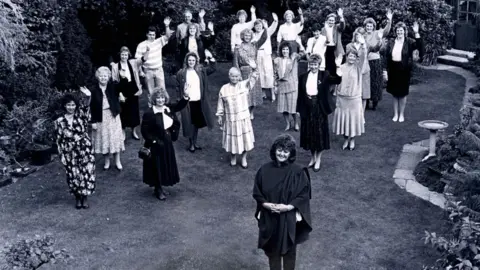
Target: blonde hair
370	20
287	13
125	49
358	31
234	70
159	92
102	70
245	32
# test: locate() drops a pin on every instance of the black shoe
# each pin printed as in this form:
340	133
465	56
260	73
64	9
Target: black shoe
85	203
159	195
78	203
191	150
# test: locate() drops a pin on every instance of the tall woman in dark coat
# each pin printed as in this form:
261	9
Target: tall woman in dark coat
282	191
399	63
314	104
157	123
196	42
197	114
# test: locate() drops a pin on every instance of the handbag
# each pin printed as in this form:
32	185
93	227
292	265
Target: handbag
144	152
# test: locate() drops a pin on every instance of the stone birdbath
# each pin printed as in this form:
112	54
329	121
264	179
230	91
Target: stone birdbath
433	126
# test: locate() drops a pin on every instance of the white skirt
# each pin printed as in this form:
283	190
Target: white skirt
348	118
238	136
265	68
109	137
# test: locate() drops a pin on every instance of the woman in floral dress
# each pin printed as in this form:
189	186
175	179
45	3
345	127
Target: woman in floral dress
75	148
244	54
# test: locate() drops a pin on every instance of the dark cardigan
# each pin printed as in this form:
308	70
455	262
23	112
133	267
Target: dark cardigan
409	46
96	102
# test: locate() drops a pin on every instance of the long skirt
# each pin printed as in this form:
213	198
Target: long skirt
161	168
196	114
398	84
109	137
366	92
314	133
376	80
79	164
130	112
238	136
255	95
265	67
330	64
287	102
348	118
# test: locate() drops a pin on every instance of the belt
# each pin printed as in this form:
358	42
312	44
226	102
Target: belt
310	97
153	69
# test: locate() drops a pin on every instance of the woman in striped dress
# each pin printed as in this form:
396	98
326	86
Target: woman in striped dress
264	56
237	128
373	37
244	54
286	83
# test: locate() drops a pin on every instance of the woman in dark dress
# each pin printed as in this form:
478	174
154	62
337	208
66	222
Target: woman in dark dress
126	74
314	104
157	124
196	42
282	191
75	147
198	113
399	63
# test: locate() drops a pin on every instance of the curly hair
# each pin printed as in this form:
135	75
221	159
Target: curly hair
245	32
351	51
185	60
315	58
103	70
197	32
283	45
159	92
331	15
285	142
370	20
67	98
401	25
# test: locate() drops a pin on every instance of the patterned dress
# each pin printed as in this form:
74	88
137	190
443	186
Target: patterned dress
76	152
243	55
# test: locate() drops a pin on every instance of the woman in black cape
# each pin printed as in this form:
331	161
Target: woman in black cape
283	192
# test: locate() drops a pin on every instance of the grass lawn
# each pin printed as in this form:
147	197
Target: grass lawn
361	219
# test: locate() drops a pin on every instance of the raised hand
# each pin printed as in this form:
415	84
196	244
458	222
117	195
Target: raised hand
340	12
300	12
85	91
253	9
389	14
361	39
167	21
202	13
275	16
415	27
210	26
265	24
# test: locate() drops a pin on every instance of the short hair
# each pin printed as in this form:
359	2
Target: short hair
316	27
351	51
287	13
370	20
159	92
258	21
185	60
187	11
241	12
152	29
234	69
331	15
67	98
315	58
244	33
283	45
125	49
358	31
401	25
102	70
286	142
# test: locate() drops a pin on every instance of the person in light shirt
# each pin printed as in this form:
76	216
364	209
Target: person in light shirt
333	32
314	104
290	31
182	29
317	45
242	24
153	67
193	77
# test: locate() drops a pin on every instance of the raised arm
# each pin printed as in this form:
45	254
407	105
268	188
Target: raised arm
251	23
302	19
279	34
232	37
201	23
341	25
417	44
387	28
273	27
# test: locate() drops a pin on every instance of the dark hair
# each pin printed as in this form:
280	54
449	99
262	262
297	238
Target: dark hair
152	29
283	45
67	98
287	142
315	58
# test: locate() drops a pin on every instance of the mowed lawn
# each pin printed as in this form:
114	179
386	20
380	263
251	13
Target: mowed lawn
361	219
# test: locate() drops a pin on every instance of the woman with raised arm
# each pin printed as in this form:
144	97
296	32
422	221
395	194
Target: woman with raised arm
237	138
398	64
333	32
193	78
75	147
160	169
235	32
196	42
290	31
244	54
372	38
264	56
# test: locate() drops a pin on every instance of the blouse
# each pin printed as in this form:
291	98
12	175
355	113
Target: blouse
193	84
351	85
125	71
397	50
192	45
167	121
289	32
329	31
312	82
105	104
233	100
237	29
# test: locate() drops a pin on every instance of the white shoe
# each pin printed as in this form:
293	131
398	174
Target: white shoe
395	118
401	119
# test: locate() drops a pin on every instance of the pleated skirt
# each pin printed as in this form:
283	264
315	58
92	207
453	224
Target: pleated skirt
265	68
238	136
287	102
109	137
348	118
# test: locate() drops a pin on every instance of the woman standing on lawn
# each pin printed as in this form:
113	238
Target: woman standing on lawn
399	64
244	54
282	191
237	138
361	48
373	37
264	57
75	148
235	32
290	31
197	114
108	135
196	42
157	124
348	119
314	104
286	84
126	74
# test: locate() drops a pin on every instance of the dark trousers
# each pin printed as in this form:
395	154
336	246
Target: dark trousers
275	260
